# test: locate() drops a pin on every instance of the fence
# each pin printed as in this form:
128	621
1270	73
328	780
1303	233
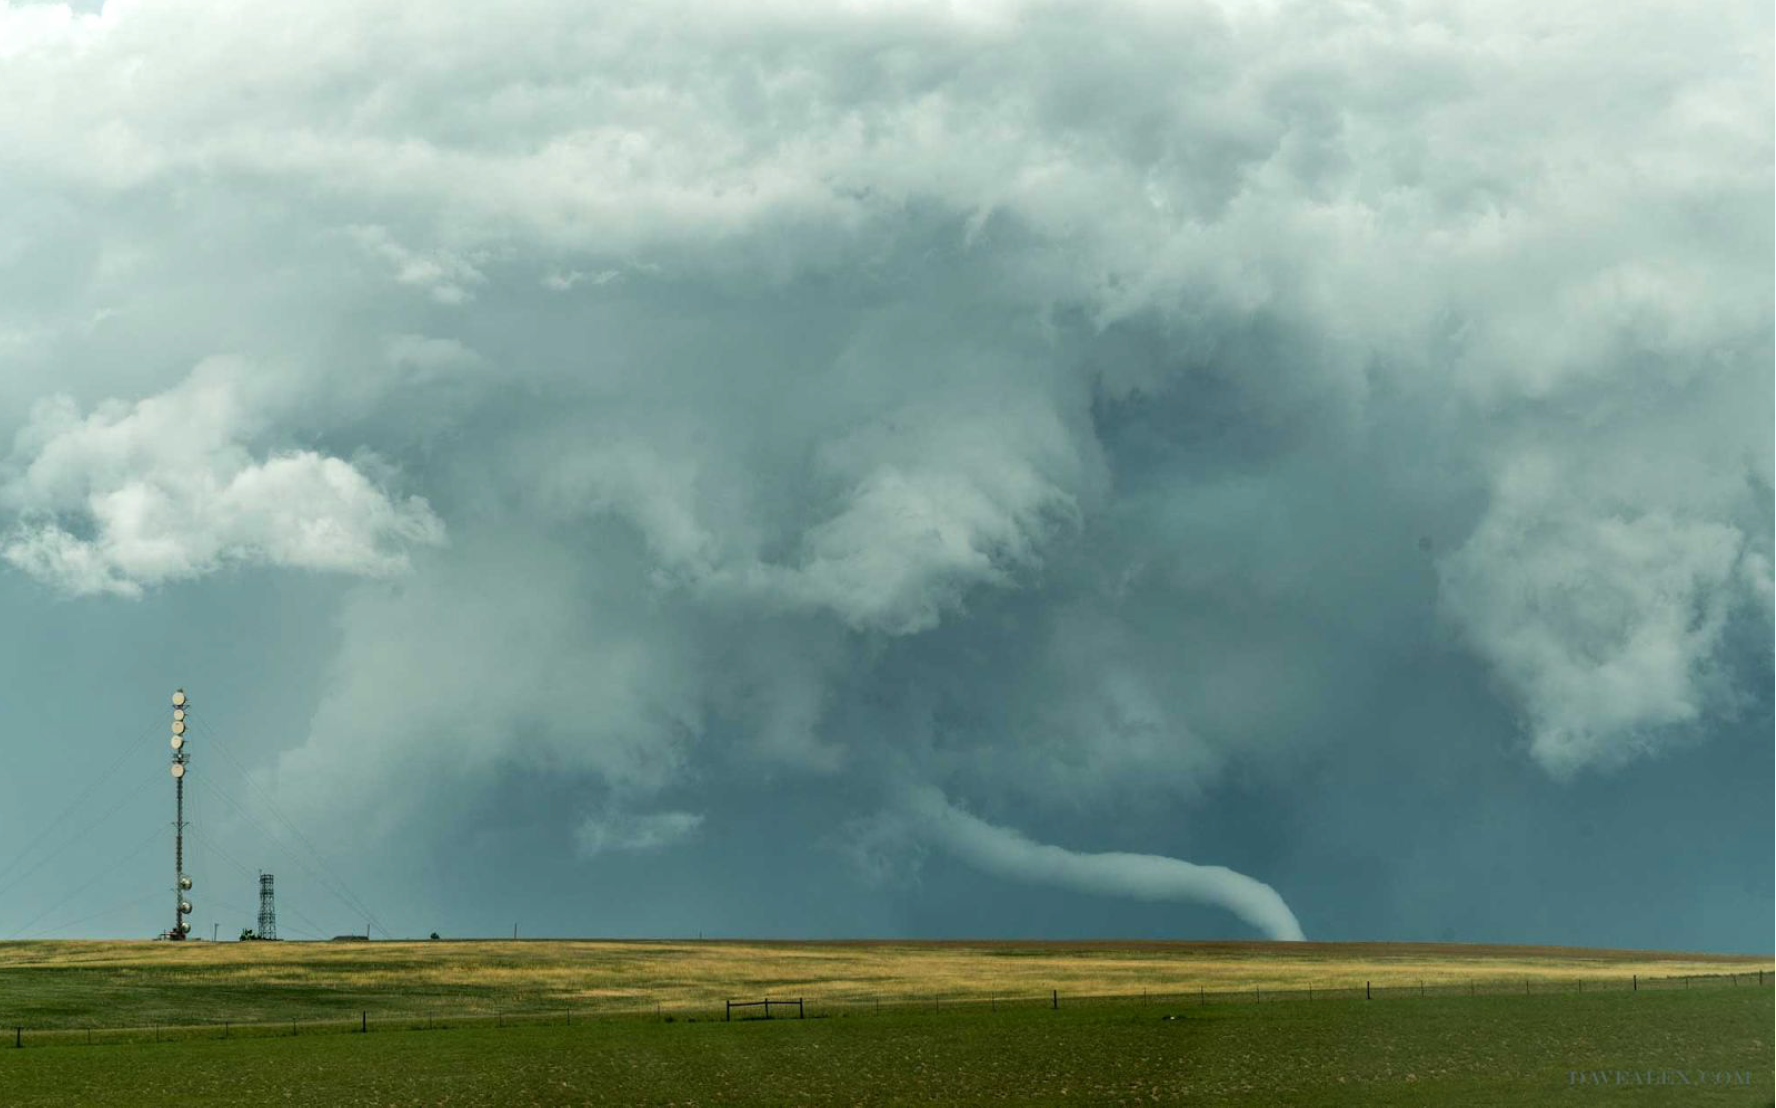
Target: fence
728	1013
446	1014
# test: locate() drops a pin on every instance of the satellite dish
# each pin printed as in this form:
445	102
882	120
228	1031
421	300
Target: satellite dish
179	699
178	769
184	882
178	727
184	907
184	928
178	713
178	741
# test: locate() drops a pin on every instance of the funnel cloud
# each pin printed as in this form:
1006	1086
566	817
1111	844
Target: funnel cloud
1002	852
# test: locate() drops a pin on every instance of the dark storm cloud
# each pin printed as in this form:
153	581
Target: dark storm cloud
1037	412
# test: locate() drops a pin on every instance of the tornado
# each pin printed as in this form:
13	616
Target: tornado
1003	852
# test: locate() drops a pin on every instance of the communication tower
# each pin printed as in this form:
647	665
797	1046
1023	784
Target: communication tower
268	916
181	758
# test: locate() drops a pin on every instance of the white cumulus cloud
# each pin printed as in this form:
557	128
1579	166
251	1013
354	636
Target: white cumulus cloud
134	495
1604	620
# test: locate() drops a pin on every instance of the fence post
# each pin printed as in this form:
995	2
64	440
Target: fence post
1636	987
227	1029
1054	998
1421	990
363	1022
801	1012
767	1007
728	1013
1368	992
18	1037
1202	996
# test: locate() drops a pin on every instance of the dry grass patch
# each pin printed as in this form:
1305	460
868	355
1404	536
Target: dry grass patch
74	981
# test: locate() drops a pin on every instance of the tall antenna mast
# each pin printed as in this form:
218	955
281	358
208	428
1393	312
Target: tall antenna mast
181	706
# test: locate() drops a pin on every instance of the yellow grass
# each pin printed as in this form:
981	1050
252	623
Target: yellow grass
482	975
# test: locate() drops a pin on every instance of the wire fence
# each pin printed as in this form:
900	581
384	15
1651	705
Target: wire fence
446	1013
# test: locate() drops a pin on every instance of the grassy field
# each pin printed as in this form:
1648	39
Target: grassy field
1472	1052
80	984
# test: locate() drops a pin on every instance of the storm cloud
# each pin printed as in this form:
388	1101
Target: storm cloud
1080	414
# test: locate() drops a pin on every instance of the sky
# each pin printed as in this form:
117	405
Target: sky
904	469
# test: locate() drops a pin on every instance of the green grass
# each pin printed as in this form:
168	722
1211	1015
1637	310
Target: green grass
1480	1051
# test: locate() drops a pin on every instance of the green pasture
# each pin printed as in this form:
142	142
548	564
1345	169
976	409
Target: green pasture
1440	1050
